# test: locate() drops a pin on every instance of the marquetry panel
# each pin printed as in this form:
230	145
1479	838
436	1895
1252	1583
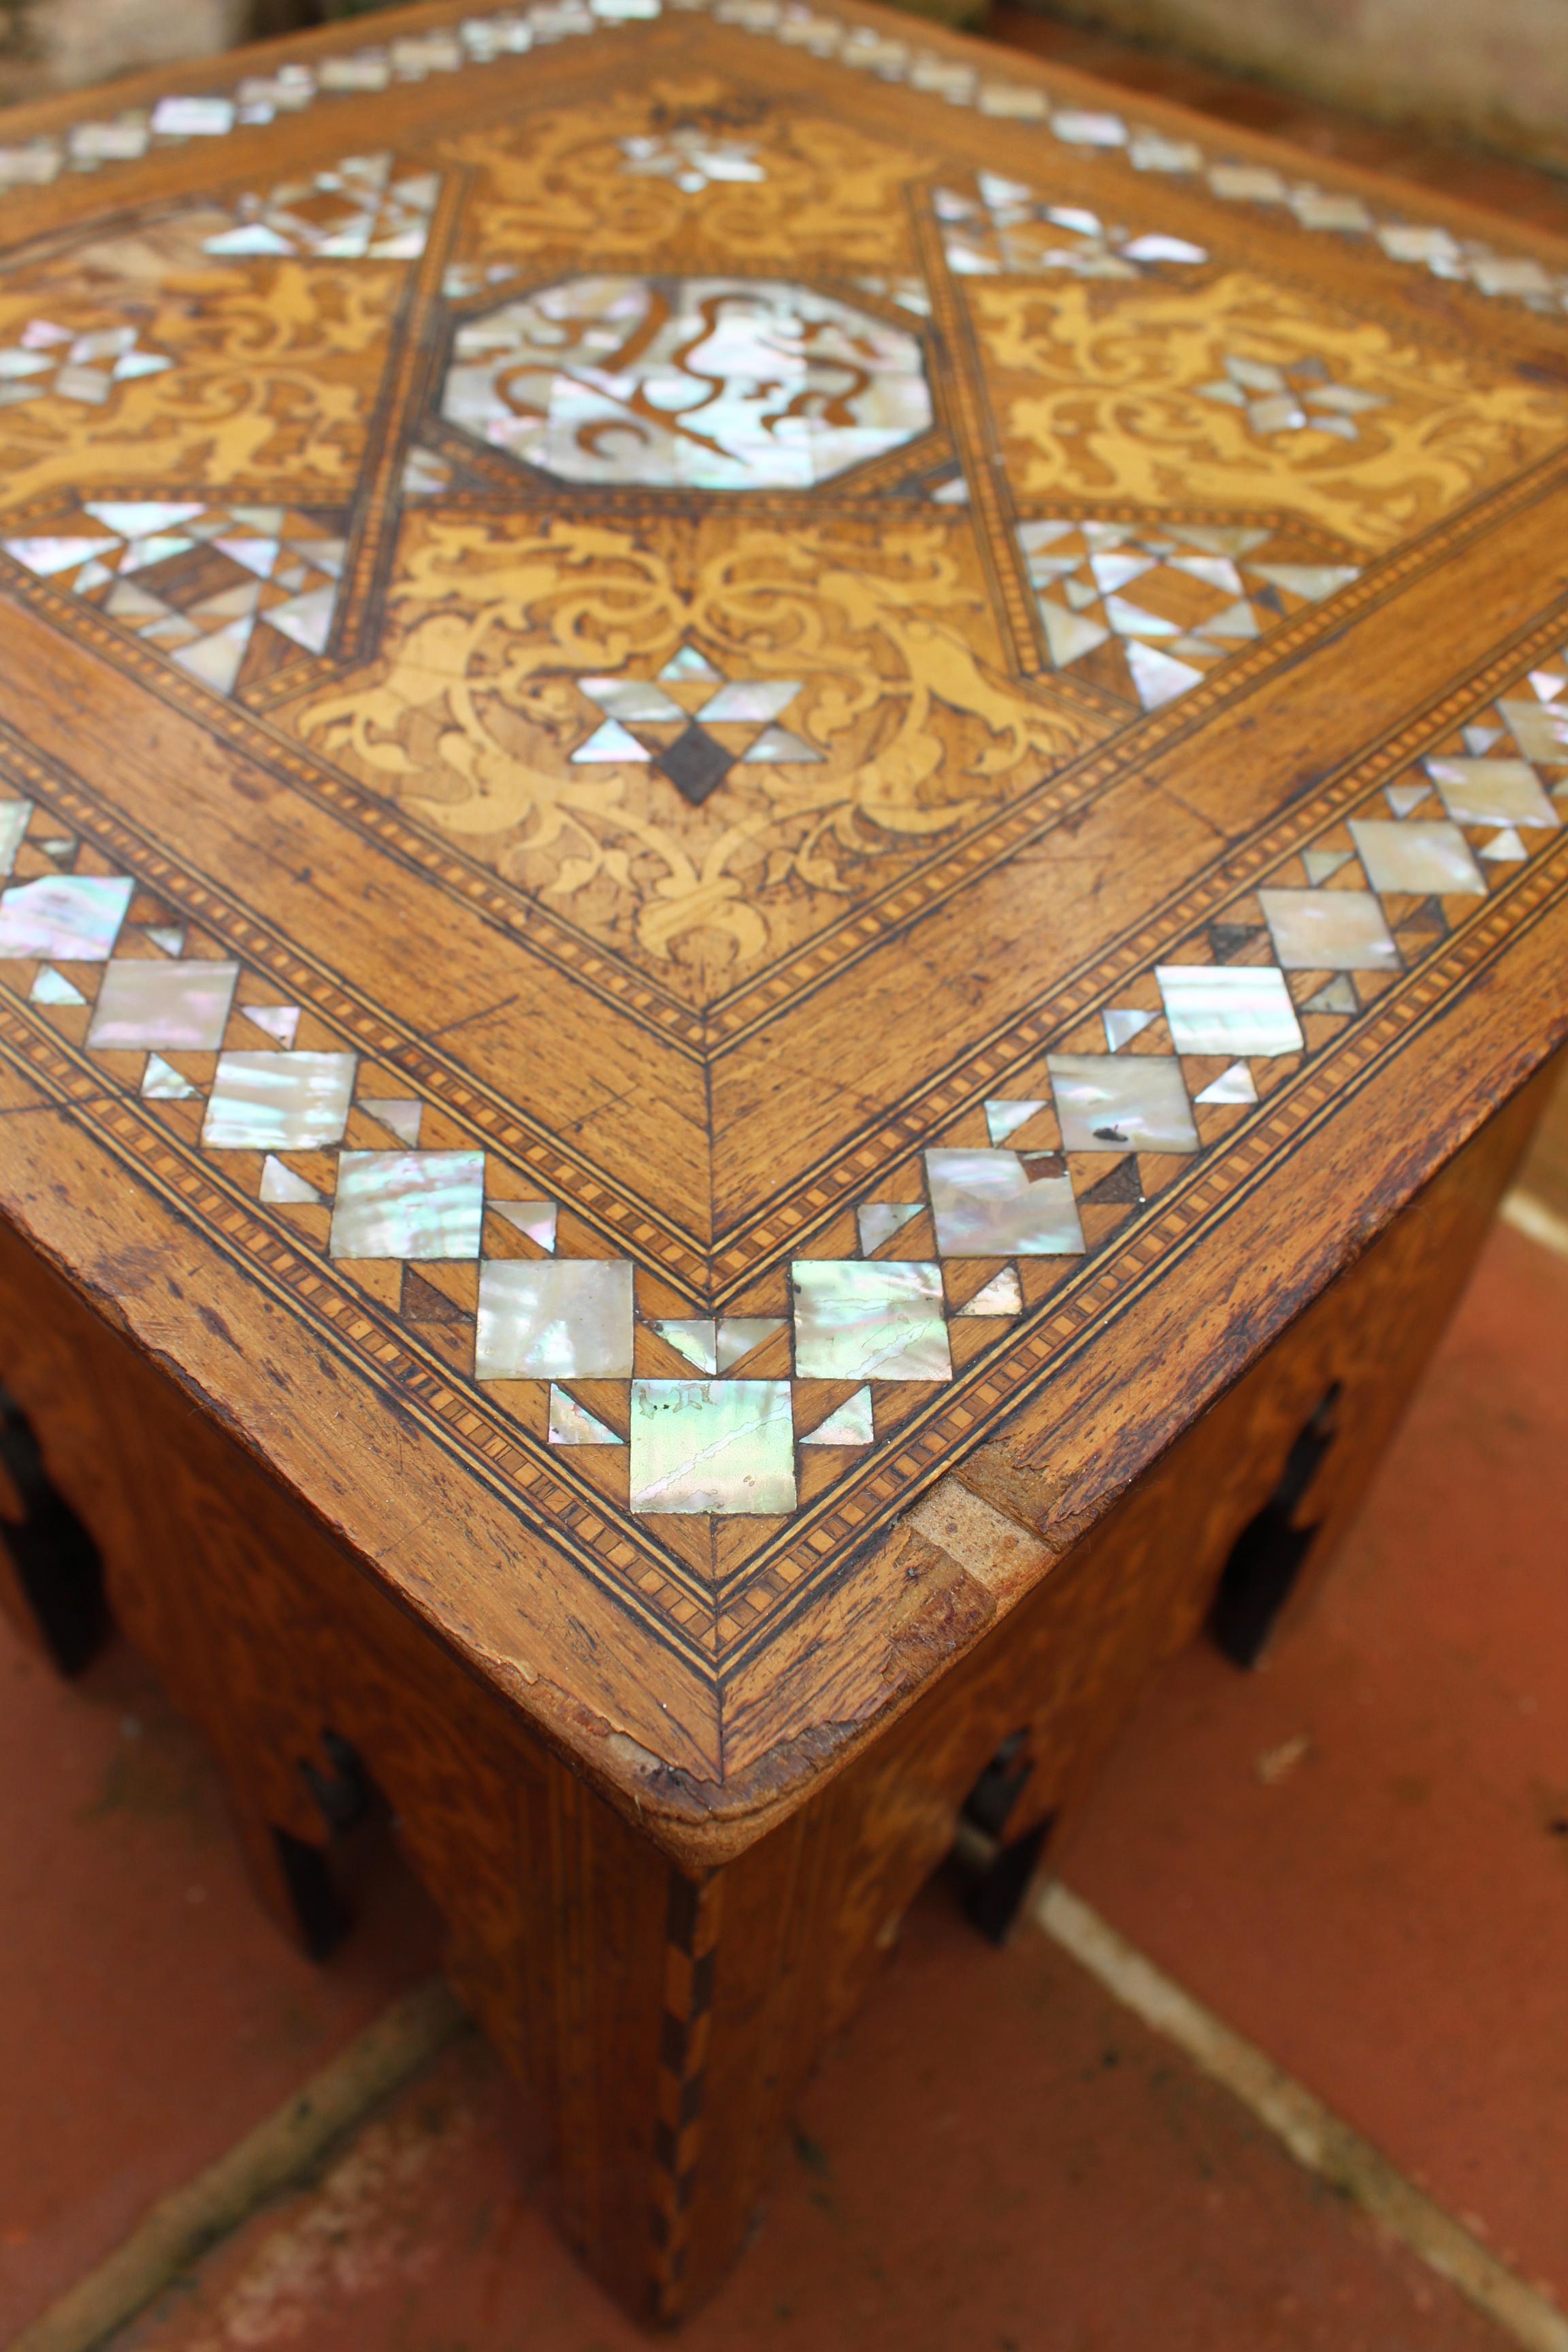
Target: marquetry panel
718	722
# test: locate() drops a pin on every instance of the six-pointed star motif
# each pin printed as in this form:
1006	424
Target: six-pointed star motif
691	722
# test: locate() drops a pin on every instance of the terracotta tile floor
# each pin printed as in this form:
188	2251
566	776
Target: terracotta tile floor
995	2161
995	2158
1389	1919
1429	2037
149	2014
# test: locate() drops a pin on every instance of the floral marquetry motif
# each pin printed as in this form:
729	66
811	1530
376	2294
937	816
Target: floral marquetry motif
252	376
522	652
1231	387
722	736
689	161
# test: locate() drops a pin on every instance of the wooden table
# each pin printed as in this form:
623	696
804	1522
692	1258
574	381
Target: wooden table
785	872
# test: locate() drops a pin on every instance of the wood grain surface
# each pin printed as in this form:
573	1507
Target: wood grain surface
642	645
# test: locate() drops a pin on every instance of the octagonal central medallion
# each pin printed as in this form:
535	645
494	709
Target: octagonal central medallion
710	383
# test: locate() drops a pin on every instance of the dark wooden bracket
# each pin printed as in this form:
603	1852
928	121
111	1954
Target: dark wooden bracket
54	1572
998	1871
1270	1553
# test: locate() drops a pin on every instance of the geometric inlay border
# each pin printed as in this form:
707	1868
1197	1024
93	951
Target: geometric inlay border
711	1624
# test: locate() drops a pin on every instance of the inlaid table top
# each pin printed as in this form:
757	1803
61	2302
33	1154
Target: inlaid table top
747	756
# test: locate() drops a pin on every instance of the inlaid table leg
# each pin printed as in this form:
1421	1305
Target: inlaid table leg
121	1503
251	1691
1366	1344
689	2009
666	2011
1236	1524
